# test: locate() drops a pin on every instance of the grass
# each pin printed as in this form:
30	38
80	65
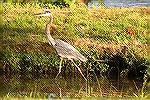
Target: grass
118	37
98	33
122	26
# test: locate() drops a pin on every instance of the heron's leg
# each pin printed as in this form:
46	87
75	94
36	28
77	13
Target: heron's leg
79	70
60	67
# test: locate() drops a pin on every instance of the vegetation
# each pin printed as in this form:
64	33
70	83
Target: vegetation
114	40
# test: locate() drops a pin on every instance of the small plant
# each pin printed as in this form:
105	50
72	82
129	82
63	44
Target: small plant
143	92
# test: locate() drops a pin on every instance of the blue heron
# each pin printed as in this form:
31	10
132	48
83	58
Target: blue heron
63	49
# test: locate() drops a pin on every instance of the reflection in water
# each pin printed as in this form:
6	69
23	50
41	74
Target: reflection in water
75	87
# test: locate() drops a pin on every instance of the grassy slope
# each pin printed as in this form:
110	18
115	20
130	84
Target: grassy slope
24	45
106	30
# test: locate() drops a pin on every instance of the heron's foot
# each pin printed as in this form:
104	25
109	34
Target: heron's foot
83	76
79	70
81	73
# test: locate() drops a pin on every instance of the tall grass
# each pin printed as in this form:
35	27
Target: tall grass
107	34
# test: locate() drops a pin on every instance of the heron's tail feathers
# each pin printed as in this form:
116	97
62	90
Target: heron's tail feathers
82	58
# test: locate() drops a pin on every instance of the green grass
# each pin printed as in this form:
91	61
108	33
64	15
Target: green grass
116	36
98	33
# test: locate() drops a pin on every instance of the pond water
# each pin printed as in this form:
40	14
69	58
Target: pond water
119	3
64	86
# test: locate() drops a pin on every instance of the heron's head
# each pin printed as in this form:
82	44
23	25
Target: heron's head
46	13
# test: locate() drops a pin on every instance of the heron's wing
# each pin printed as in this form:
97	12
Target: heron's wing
68	51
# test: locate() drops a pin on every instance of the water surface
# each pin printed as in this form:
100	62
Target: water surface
45	86
119	3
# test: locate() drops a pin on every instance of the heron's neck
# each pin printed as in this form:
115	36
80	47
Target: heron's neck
48	26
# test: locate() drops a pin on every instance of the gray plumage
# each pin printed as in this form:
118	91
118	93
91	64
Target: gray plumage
66	50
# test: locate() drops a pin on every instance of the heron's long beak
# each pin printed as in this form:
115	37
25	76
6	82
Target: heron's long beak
43	14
